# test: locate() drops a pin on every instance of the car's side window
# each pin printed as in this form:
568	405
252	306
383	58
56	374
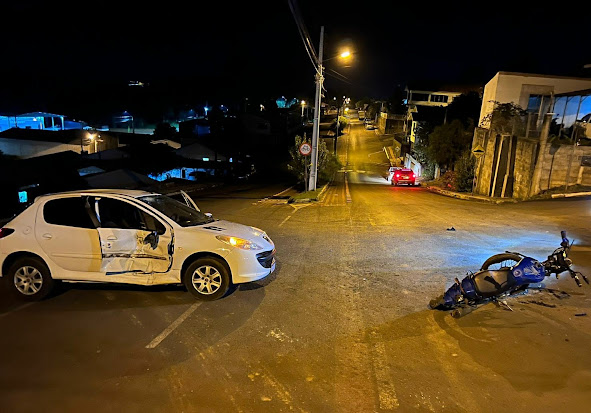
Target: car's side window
114	213
70	212
118	214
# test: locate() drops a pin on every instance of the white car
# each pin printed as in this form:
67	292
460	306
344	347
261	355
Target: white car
132	237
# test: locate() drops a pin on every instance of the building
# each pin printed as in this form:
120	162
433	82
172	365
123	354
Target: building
31	143
546	148
430	98
531	92
39	121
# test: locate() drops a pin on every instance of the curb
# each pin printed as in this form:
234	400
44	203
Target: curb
305	200
571	195
467	197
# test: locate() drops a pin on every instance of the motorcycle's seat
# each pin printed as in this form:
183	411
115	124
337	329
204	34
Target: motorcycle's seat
489	283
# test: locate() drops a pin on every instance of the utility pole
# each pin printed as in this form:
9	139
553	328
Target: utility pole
317	103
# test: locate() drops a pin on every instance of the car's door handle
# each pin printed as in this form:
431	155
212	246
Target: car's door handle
47	236
112	238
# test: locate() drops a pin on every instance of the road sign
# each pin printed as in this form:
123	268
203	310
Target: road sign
478	151
305	149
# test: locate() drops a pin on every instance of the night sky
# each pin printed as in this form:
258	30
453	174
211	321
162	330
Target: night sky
57	57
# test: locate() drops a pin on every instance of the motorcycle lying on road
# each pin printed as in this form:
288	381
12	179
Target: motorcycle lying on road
503	275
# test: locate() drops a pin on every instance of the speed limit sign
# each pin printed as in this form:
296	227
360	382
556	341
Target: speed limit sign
305	149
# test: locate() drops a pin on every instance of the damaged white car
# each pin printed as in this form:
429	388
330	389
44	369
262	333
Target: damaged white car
132	237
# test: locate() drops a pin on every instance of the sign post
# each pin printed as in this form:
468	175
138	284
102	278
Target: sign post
478	152
305	150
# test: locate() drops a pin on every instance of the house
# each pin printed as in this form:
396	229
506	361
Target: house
544	149
30	143
531	92
430	98
39	121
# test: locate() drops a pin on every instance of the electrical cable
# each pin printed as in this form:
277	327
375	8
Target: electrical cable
304	34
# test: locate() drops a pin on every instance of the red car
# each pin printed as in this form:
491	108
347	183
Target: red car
403	176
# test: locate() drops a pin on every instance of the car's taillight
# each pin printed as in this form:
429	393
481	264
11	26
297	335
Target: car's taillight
4	232
397	175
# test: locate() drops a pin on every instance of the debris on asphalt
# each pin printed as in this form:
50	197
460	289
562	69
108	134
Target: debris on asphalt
451	229
580	314
543	304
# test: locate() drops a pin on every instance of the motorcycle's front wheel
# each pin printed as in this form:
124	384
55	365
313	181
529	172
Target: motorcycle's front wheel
500	261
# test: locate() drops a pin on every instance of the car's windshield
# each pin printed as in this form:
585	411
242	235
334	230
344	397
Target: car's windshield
177	211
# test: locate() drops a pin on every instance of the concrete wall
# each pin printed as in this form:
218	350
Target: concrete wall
558	162
507	87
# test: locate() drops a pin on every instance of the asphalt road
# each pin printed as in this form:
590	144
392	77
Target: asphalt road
341	326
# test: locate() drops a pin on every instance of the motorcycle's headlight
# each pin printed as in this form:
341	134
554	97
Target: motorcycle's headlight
241	243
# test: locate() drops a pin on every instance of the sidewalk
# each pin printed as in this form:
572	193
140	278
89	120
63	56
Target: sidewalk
496	200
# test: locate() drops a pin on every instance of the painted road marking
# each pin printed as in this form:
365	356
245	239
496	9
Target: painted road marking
347	193
285	220
386	391
154	343
20	307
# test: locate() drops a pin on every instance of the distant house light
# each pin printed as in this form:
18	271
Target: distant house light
206	159
23	197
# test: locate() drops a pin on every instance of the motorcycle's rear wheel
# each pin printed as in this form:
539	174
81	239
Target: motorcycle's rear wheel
500	261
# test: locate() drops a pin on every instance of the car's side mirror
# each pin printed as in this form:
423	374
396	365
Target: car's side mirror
152	239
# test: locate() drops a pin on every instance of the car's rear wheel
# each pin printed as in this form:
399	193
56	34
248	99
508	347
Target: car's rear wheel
29	279
207	279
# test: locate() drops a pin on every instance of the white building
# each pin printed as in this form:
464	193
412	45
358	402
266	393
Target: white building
531	92
430	98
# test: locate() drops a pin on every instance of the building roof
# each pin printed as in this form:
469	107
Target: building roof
60	136
40	115
541	75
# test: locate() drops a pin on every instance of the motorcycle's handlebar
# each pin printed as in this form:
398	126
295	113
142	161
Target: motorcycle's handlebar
565	242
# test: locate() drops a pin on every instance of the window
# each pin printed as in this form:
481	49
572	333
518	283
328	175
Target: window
439	98
119	214
70	212
419	97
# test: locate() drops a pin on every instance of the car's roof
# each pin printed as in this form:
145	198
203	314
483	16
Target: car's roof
124	192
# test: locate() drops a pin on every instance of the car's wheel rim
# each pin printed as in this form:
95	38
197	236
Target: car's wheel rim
206	280
28	280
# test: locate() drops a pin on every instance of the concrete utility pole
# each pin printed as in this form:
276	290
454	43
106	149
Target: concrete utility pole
317	108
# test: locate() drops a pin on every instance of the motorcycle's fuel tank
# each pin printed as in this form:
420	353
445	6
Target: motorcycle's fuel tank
528	270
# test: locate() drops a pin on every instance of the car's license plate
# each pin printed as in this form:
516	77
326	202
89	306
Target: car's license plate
405	177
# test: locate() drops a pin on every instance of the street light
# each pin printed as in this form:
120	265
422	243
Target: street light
303	106
317	103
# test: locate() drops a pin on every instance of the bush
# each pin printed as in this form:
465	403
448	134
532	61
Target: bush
464	172
448	181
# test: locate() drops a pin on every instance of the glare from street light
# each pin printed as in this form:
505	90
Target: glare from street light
303	103
346	54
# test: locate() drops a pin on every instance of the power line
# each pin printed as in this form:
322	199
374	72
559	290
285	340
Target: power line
303	33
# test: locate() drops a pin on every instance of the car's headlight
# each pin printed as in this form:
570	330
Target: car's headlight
243	244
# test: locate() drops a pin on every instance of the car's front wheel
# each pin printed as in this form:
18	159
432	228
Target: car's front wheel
207	279
29	279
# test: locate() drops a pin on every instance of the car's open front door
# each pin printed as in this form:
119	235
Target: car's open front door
133	241
135	251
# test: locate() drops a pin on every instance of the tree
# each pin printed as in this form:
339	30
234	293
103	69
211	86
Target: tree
164	131
421	151
328	163
447	142
395	103
465	108
505	118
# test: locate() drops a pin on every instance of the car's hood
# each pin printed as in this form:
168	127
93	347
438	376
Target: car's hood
233	229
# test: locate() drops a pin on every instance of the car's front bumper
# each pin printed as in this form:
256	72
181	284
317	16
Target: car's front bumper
247	266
